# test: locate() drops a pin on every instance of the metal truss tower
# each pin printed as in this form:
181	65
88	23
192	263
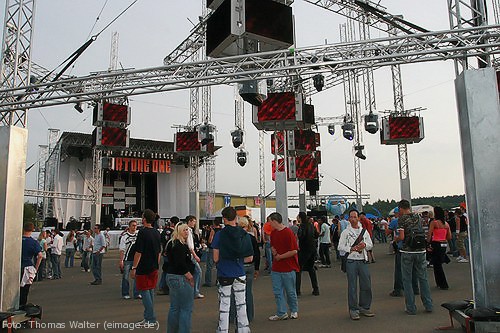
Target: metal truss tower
262	176
399	110
478	115
206	115
15	71
15	64
51	171
43	154
465	14
368	80
194	160
353	107
15	67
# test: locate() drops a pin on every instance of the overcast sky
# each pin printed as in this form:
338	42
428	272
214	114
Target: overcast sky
151	29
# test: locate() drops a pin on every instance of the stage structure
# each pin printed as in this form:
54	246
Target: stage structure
469	38
147	174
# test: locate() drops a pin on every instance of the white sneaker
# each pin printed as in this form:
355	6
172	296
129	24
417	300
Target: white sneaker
126	297
459	258
276	317
463	260
200	296
294	315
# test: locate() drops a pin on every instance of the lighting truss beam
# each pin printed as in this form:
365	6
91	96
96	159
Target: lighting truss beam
326	197
58	195
359	10
330	59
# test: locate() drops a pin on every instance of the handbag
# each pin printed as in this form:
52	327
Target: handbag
343	259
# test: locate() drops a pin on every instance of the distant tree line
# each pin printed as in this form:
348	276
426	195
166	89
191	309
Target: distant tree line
385	206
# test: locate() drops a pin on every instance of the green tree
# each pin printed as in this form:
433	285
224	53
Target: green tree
29	212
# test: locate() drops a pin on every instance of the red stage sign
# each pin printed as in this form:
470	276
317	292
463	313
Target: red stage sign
141	165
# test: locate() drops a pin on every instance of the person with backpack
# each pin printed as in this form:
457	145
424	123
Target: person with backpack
413	257
232	247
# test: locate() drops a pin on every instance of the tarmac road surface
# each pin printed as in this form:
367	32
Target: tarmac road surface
71	304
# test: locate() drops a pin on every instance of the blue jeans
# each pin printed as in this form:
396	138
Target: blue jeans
181	304
148	298
127	266
163	279
70	258
453	244
411	262
97	266
85	260
269	255
284	282
55	259
210	265
358	270
197	277
398	278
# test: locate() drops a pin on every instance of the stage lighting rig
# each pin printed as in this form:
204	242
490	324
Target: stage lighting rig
359	152
253	92
78	107
348	129
205	133
241	157
319	82
371	123
237	137
331	129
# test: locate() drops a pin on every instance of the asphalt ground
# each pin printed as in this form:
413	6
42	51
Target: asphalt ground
72	300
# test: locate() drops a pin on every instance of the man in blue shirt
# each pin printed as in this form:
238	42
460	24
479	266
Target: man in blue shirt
97	253
232	247
29	250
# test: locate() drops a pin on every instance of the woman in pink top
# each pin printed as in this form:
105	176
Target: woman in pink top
439	234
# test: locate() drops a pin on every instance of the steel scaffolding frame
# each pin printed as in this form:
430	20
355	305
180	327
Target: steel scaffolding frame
15	65
43	154
330	59
51	170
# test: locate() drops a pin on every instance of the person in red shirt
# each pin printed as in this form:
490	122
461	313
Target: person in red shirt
285	265
367	224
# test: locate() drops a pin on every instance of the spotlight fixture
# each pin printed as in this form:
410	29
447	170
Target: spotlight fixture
359	152
253	92
237	137
241	157
348	130
78	107
319	82
331	129
371	123
205	133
